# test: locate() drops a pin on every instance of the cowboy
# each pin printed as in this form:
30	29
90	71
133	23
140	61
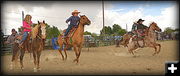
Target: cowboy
74	20
139	29
11	38
27	28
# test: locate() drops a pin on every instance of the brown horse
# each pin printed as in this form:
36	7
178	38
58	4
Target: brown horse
149	39
38	35
77	39
15	52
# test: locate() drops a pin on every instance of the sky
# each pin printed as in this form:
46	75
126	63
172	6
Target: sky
164	13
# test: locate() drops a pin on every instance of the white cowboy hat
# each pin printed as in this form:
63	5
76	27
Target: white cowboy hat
75	11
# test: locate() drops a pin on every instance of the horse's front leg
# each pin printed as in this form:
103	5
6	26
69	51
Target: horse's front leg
21	59
76	52
79	53
38	59
35	61
60	51
155	49
66	47
159	47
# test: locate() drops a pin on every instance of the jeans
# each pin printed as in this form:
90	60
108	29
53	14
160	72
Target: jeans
68	29
24	37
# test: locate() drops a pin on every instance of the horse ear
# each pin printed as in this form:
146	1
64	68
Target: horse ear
38	22
43	21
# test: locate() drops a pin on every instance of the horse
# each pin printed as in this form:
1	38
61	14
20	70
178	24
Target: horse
77	39
38	34
149	39
16	50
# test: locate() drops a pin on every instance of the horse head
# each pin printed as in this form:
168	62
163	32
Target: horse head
155	27
84	20
43	29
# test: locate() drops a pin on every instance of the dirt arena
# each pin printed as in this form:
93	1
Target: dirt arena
100	60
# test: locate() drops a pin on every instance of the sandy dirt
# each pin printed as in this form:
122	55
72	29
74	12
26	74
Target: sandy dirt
99	60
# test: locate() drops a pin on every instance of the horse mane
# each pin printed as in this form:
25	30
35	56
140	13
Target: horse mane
150	26
34	31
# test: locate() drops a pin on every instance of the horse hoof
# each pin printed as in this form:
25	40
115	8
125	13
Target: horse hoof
11	67
74	60
35	70
22	68
39	69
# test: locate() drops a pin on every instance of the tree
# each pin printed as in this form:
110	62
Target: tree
52	31
116	28
93	34
87	33
169	30
121	32
107	30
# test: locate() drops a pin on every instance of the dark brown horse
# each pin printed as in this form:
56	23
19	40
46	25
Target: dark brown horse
77	39
16	50
38	35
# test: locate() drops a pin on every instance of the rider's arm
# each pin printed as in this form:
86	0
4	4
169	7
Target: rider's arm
68	19
24	25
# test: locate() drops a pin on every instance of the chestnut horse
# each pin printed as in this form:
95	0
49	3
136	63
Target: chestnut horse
77	39
38	35
149	39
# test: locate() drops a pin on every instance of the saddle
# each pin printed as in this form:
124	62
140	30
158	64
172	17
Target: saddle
71	32
69	35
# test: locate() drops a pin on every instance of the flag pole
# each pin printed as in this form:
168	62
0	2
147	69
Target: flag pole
103	15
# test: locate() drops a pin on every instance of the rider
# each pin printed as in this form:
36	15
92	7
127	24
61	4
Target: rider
138	29
74	20
27	28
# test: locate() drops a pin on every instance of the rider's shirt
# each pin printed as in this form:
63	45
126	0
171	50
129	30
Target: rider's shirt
11	38
134	26
25	24
74	20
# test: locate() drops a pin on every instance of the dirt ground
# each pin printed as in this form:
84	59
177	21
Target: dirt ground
99	60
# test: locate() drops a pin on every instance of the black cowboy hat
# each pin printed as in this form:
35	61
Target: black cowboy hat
13	29
140	20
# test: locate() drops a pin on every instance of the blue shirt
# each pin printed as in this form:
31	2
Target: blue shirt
74	20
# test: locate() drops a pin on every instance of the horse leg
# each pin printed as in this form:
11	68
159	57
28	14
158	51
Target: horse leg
79	50
35	61
38	59
60	51
159	47
155	49
76	52
66	47
21	59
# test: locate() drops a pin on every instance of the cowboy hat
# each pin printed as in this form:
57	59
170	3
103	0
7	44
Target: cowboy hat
140	20
75	11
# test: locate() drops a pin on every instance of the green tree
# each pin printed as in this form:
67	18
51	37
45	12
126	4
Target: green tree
106	30
121	32
87	33
116	28
169	30
93	34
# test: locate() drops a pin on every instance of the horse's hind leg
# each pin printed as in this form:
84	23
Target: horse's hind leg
21	59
